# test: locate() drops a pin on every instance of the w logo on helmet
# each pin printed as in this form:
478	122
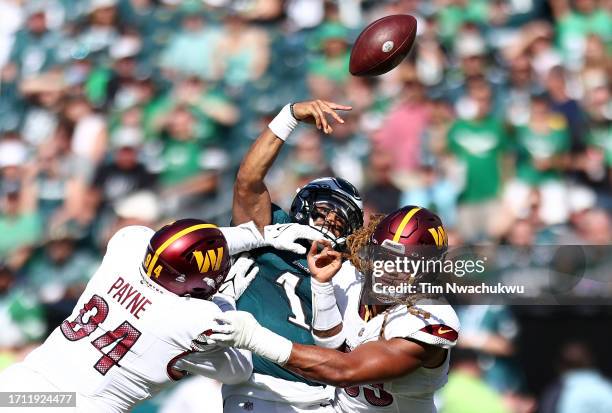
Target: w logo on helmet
209	262
439	236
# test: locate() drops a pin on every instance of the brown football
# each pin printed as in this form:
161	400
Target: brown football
383	45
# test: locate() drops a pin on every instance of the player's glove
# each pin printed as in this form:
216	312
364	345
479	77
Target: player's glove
240	276
240	329
283	236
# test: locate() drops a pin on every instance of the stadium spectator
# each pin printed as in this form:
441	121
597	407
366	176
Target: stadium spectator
543	145
581	388
243	52
401	132
521	85
58	271
58	179
122	176
491	331
381	194
536	41
86	128
479	140
185	178
466	391
35	46
433	191
22	317
328	71
557	89
574	21
306	160
20	223
190	52
112	85
102	29
347	149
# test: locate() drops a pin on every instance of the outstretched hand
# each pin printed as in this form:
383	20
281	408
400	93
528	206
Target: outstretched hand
284	236
325	264
316	111
239	277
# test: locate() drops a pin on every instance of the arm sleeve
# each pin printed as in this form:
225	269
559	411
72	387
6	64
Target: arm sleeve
243	237
328	309
229	366
325	315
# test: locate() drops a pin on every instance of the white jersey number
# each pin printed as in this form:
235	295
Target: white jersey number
290	283
93	313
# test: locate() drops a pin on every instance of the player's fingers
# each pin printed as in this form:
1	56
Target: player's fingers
325	107
335	254
337	106
224	329
323	252
309	233
322	119
312	252
226	319
326	243
296	248
220	339
251	275
315	114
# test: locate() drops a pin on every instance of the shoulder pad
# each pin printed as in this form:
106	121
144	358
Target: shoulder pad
130	236
440	329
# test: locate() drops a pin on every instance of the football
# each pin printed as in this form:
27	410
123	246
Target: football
382	45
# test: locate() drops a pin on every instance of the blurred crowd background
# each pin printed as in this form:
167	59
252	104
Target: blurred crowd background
117	112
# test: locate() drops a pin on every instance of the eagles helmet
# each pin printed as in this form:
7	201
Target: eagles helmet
188	257
319	198
410	232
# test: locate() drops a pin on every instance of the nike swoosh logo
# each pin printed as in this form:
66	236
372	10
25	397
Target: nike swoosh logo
443	331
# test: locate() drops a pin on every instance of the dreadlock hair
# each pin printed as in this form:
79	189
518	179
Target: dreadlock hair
356	243
358	240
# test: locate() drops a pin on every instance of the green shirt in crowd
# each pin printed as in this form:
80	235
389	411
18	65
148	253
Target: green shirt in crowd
533	146
18	231
452	17
479	144
600	136
573	28
465	393
335	69
181	161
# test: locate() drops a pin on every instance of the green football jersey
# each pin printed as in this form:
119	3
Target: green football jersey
280	299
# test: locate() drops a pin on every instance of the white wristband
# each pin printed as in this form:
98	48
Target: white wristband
333	342
244	237
325	313
284	123
271	346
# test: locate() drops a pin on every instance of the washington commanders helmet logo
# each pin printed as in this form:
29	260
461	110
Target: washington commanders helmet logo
439	236
210	261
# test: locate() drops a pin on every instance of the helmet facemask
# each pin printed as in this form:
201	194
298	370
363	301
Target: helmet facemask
334	214
330	221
